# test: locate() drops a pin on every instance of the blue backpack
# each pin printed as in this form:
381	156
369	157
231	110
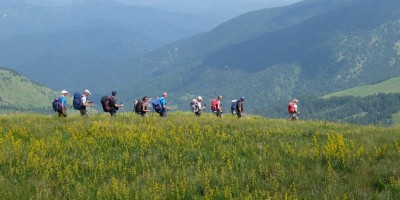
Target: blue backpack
234	106
57	104
156	105
77	102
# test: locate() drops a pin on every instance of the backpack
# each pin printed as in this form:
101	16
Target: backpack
156	105
138	106
214	103
193	105
234	106
105	103
291	108
57	104
77	102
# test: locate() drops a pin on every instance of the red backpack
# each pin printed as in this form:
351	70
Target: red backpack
214	103
291	107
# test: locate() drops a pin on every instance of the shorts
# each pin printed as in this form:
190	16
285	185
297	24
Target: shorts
163	114
218	113
294	115
83	112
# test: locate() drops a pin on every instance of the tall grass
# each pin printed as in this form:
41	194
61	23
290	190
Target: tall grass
188	157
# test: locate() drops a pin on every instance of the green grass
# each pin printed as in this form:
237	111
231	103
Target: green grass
388	86
396	119
17	92
188	157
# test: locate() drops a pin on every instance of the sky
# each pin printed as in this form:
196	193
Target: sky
230	8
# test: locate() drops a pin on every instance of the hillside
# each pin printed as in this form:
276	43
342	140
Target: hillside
186	157
388	86
270	56
18	94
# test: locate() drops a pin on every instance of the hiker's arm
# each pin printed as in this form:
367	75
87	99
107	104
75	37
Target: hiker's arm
219	107
119	105
165	107
87	104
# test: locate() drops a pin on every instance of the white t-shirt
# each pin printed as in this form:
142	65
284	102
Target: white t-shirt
83	100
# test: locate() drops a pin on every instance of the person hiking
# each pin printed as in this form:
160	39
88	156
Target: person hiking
239	108
113	104
216	106
292	109
163	105
197	108
144	106
63	99
85	103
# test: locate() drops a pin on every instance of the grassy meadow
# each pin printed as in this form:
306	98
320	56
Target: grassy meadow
188	157
388	86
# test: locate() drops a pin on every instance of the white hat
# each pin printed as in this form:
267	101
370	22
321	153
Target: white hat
64	92
199	98
87	91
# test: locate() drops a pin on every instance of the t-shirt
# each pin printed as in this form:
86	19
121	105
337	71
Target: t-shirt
83	100
112	102
239	105
163	102
63	101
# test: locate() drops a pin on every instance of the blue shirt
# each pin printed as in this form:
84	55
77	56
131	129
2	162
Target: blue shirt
163	102
63	101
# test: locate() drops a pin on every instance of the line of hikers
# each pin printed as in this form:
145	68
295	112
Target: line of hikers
141	106
109	104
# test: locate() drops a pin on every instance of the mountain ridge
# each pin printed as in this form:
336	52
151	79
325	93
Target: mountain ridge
338	48
19	94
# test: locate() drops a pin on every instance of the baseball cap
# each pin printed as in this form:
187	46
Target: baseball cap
199	98
64	92
87	91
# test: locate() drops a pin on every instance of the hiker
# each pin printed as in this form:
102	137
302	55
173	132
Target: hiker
195	104
163	105
113	104
85	103
239	108
142	106
63	99
292	109
216	106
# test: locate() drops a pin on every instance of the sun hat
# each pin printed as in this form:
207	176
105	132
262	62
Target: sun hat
199	98
87	91
64	92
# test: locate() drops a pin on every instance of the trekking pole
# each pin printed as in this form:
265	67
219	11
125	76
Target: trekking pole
205	107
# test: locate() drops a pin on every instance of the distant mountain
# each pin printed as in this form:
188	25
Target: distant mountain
52	44
19	94
313	47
